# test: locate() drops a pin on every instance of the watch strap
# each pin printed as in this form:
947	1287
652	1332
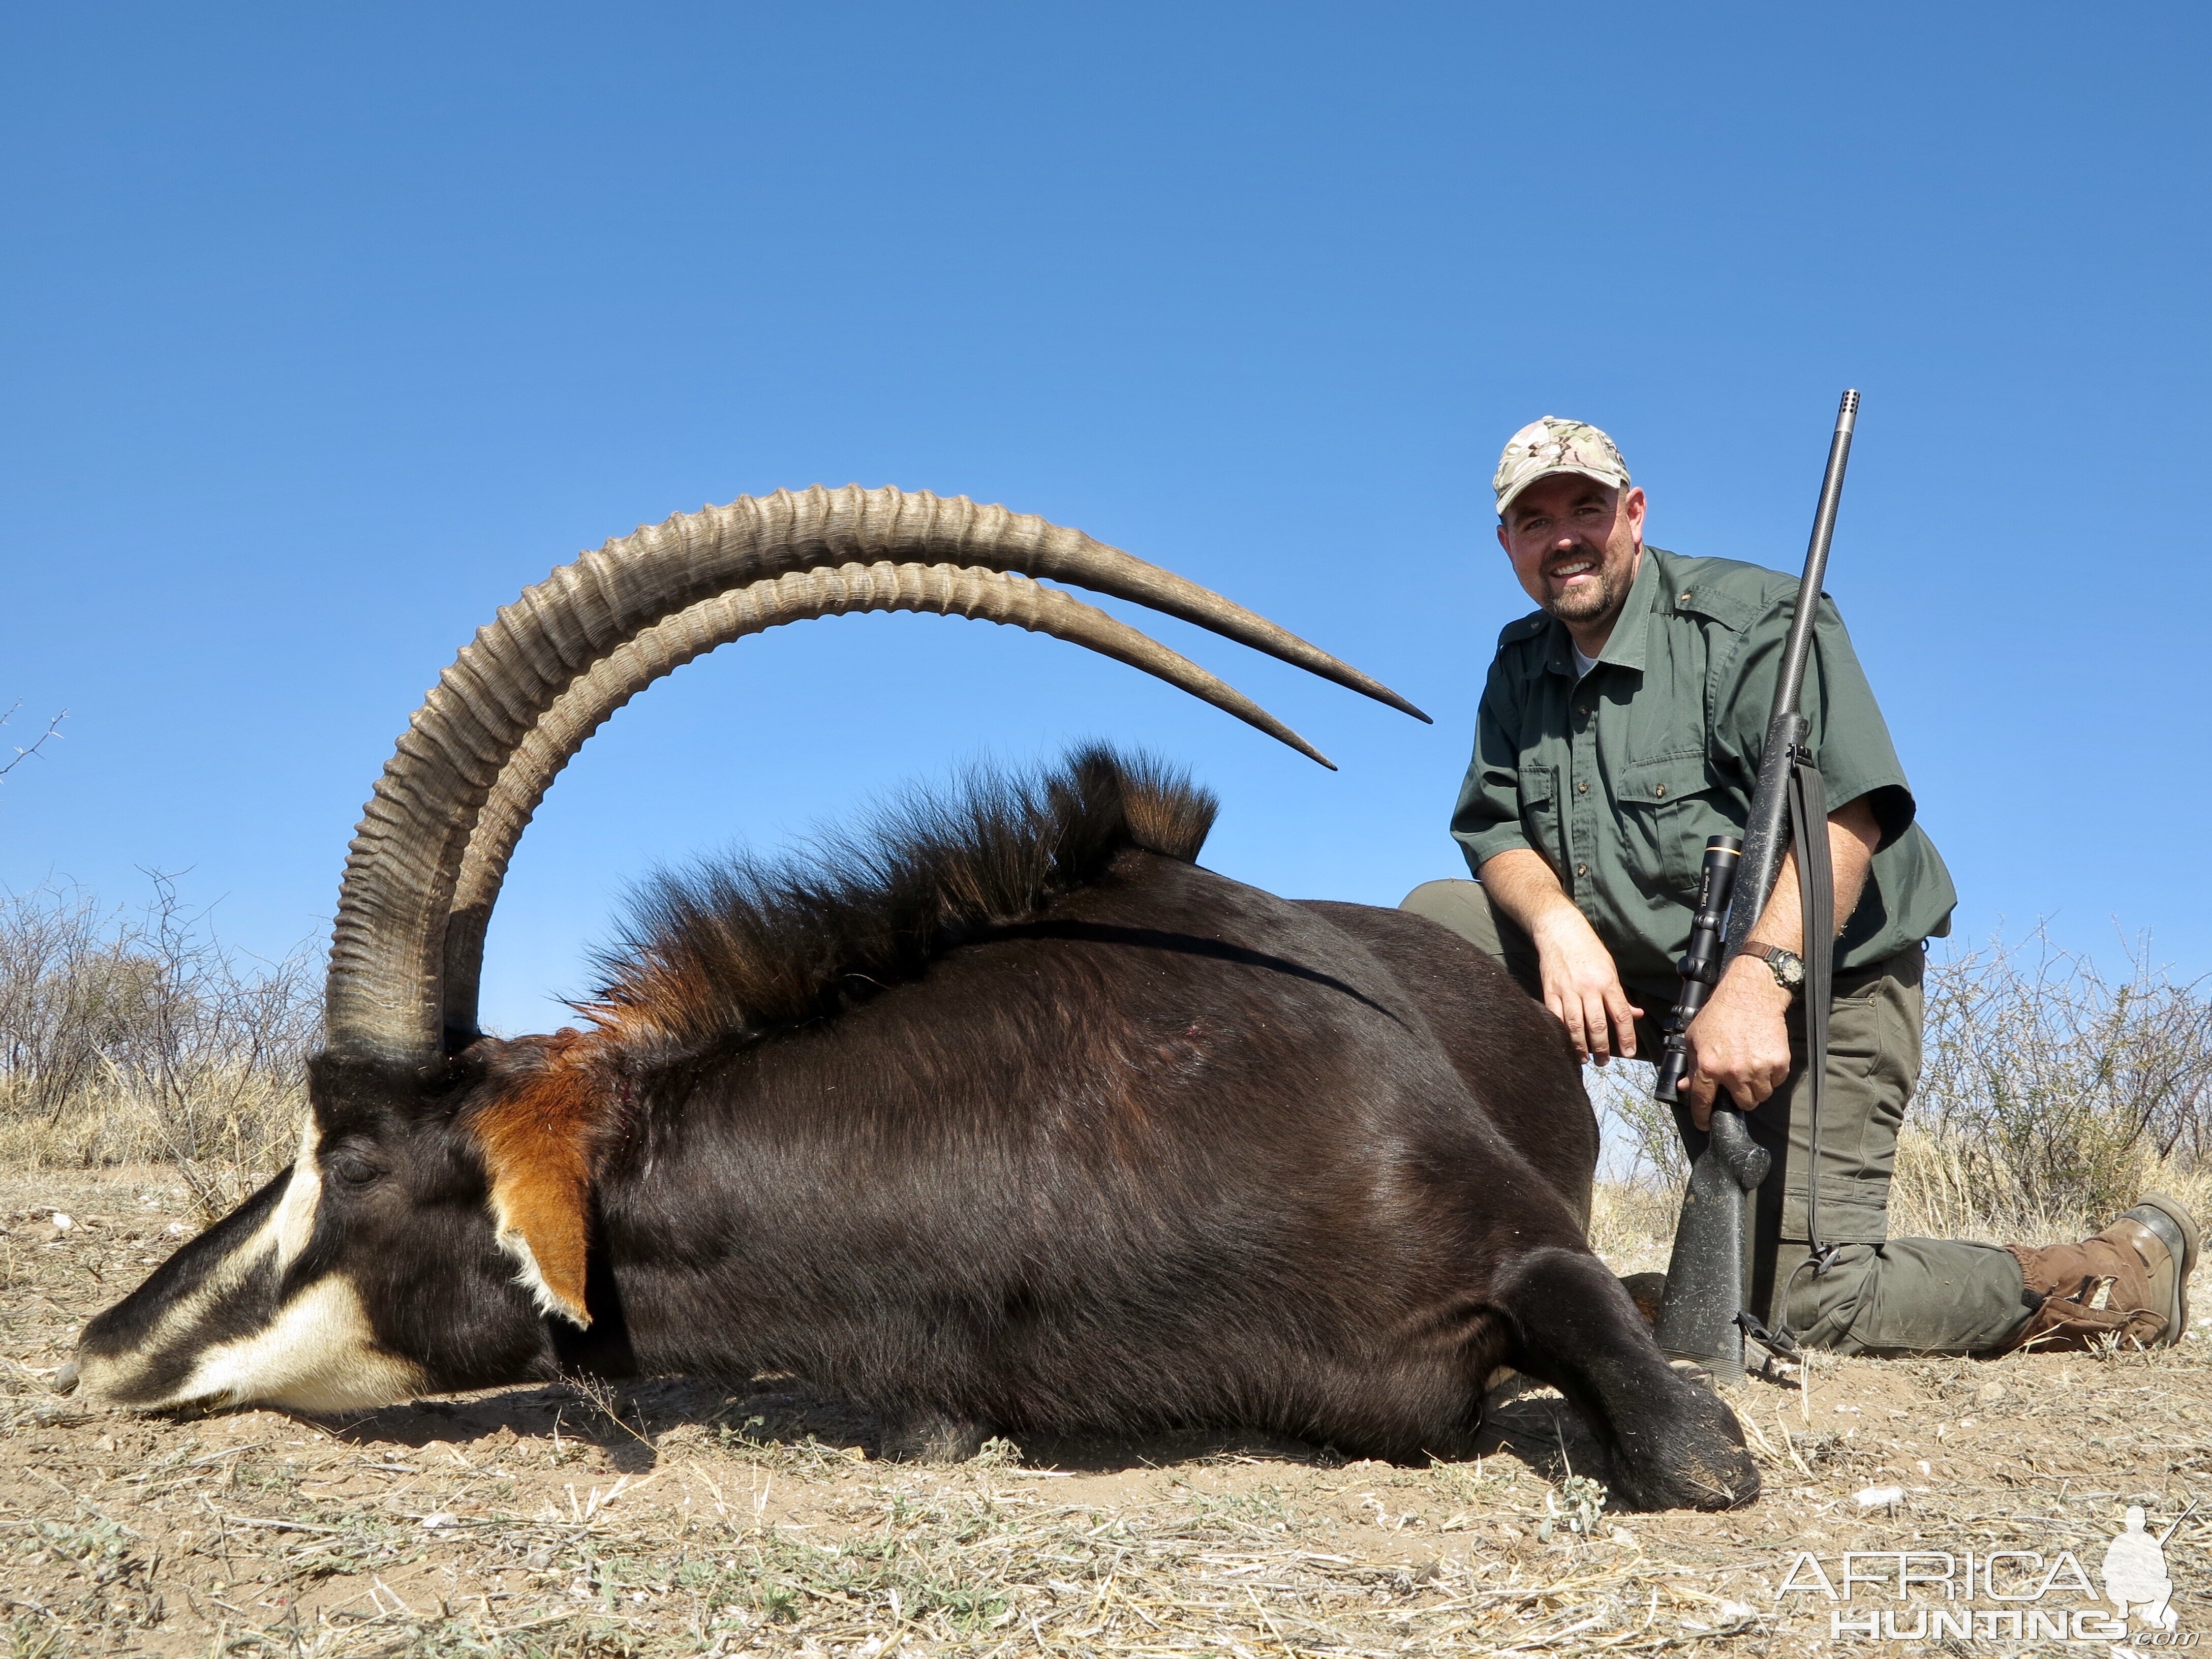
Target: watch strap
1778	961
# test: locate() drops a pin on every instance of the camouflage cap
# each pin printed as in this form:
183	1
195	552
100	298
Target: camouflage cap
1549	446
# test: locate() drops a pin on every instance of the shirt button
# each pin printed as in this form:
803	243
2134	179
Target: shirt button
1582	869
1660	793
1582	789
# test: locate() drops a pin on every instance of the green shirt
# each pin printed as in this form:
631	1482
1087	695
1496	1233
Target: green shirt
1617	779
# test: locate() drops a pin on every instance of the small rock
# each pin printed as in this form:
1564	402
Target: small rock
1876	1497
62	1223
433	1523
1989	1394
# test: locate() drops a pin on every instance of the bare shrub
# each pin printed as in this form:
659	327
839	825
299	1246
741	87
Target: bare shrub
71	992
2050	1097
1642	1143
1641	1169
141	1037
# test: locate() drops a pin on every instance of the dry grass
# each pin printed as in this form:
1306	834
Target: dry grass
1942	1190
1632	1224
2049	1098
674	1518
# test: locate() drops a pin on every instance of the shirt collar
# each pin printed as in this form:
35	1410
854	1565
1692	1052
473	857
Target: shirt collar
1625	646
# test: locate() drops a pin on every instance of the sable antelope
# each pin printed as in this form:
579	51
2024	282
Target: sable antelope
1013	1117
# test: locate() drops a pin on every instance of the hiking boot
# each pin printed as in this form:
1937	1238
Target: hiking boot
2129	1283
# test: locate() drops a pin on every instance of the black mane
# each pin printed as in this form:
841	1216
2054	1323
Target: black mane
735	949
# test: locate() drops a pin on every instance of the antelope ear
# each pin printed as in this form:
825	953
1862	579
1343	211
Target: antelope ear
541	1216
535	1142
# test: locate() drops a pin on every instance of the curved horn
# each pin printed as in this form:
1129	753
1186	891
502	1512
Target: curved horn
382	998
592	700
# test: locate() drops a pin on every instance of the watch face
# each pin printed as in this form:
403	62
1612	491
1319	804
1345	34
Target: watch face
1788	969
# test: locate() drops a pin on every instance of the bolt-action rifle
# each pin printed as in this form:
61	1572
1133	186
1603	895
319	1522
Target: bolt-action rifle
1704	1317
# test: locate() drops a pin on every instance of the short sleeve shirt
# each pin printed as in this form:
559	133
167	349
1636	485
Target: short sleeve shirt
1617	777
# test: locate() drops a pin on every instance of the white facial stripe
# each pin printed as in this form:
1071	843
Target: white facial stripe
282	1235
110	1376
224	1280
319	1354
293	1222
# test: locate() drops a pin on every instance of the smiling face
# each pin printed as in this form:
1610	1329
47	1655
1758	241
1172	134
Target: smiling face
371	1271
1576	545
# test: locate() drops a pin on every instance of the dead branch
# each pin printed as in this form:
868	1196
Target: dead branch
24	751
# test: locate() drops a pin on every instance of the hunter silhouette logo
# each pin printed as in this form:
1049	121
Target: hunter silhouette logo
2134	1572
1999	1595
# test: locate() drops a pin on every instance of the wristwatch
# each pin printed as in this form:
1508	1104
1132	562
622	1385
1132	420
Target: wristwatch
1787	966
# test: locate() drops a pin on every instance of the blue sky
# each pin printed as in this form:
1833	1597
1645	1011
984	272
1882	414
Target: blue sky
327	330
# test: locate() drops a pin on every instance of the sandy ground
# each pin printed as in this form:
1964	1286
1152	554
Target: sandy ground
673	1518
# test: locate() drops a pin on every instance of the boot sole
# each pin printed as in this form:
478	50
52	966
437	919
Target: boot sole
2174	1212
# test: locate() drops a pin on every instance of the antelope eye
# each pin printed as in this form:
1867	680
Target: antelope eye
349	1168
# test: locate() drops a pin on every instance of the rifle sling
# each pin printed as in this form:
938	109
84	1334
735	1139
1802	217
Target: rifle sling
1816	889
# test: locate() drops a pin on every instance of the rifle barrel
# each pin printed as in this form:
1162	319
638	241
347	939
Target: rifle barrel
1765	841
1816	559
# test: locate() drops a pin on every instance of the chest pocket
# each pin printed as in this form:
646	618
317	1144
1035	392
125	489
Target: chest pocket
1540	809
1669	807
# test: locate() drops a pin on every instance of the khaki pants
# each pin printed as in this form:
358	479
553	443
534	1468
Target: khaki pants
1881	1295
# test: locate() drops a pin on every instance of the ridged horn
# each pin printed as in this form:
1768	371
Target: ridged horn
383	999
825	591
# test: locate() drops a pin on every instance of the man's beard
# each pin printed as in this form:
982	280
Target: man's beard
1593	600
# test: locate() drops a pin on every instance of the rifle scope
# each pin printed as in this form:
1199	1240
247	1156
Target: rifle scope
1700	966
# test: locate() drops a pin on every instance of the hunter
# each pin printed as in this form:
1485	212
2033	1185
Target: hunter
1620	726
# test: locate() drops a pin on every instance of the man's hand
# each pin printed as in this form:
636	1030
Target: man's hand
1740	1041
1583	987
